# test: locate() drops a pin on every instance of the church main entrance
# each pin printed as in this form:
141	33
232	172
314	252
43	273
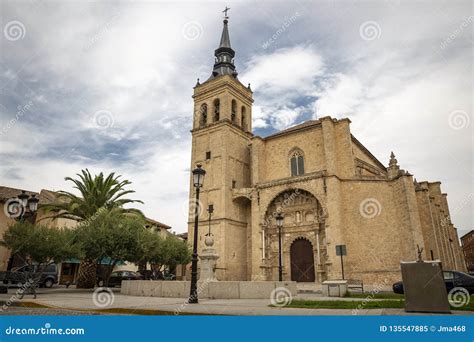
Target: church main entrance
303	237
302	261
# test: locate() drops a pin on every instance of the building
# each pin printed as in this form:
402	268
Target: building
467	242
330	188
68	269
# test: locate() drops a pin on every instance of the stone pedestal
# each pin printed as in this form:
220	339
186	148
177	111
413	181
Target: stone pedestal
208	259
334	288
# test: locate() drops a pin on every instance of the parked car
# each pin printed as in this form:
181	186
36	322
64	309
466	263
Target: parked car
452	279
116	278
48	275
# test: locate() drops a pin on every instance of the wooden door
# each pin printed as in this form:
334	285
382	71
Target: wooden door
302	261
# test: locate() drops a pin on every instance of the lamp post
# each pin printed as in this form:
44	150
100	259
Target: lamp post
22	206
198	179
19	208
279	221
210	210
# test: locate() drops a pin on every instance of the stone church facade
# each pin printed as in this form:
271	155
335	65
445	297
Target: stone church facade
329	187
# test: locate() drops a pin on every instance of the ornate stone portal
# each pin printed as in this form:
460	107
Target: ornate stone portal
208	262
304	220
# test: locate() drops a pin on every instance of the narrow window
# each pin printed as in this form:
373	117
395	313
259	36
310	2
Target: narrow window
234	184
203	115
297	163
233	111
208	155
243	122
217	109
432	256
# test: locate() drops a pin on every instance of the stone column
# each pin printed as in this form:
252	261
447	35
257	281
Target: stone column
208	258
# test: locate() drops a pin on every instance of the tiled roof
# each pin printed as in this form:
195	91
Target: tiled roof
158	224
7	192
305	124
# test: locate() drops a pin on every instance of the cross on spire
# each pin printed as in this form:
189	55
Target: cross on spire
225	12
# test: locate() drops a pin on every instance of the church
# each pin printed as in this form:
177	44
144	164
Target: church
328	186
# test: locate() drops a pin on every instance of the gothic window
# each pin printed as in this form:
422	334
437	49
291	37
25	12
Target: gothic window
203	115
297	163
243	119
217	109
233	111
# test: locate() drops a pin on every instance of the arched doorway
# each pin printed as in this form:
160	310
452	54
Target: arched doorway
304	220
302	261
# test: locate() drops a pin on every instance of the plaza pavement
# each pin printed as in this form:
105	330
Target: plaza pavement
60	301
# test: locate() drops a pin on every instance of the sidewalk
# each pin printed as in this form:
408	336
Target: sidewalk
82	300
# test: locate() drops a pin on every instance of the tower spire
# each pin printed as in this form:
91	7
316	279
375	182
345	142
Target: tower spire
224	63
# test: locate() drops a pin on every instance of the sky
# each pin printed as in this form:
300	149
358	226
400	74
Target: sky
107	86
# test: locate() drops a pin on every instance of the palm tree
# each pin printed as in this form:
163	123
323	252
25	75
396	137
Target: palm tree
97	193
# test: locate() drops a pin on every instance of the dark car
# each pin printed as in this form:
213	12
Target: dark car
47	274
452	279
116	278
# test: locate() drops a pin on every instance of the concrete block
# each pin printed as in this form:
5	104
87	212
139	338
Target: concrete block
256	289
174	289
224	290
125	288
289	285
202	288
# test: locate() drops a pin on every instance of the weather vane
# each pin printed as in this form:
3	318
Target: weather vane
225	12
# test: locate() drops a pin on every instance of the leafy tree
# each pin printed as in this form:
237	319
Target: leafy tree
98	193
40	245
161	252
111	237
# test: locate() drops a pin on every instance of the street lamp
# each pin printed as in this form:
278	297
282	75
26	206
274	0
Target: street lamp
198	179
279	221
210	210
20	208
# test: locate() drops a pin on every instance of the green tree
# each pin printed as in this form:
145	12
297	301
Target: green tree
97	193
162	252
110	238
39	244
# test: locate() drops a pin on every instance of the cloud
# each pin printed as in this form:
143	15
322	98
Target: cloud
134	61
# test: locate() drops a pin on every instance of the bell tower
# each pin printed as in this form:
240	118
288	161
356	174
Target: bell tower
221	134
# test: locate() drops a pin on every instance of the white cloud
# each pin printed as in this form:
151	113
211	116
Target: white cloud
287	69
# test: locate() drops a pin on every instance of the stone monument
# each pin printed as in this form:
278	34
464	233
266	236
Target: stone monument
208	259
